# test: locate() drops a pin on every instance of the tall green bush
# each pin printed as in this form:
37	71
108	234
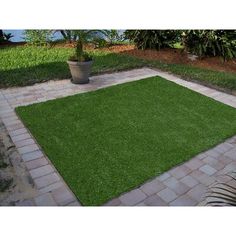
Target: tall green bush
210	42
152	39
113	36
38	37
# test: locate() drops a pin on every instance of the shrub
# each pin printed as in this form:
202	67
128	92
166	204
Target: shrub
100	39
38	37
5	37
107	38
211	42
152	39
84	37
113	37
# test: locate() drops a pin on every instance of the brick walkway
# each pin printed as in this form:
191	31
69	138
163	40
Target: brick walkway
183	185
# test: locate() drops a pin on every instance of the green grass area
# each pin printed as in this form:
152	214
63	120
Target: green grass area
20	66
26	65
223	80
112	140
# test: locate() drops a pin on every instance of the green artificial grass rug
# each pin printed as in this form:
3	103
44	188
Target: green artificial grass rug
112	140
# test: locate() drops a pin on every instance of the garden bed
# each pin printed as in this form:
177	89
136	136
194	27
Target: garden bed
110	141
178	56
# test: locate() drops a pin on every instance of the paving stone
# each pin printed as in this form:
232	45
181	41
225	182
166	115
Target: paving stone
212	153
9	114
46	180
231	154
202	177
75	203
189	181
25	203
223	147
155	200
14	127
170	181
152	187
198	192
218	166
223	178
164	176
210	160
11	122
114	202
51	187
177	186
32	156
200	156
28	148
213	162
228	169
36	163
41	171
45	200
184	200
207	169
133	197
167	195
63	196
194	163
25	142
20	137
224	159
232	140
141	204
4	111
18	132
180	171
11	119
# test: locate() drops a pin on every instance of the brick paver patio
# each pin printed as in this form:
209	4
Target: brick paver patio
184	185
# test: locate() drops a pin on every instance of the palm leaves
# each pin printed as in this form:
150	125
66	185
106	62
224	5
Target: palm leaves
222	194
84	36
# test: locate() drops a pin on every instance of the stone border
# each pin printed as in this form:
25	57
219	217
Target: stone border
182	185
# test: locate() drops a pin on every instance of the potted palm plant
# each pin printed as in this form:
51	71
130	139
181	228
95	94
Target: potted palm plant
80	63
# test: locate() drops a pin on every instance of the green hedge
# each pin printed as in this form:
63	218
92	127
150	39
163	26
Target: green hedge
210	42
152	39
200	42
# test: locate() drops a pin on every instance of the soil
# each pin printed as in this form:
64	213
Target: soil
176	56
16	186
5	44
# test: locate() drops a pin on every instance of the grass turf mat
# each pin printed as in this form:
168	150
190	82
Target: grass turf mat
111	140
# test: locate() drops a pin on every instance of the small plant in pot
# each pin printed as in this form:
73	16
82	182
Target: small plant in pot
80	63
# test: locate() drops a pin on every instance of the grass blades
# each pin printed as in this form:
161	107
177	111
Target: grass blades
112	140
27	65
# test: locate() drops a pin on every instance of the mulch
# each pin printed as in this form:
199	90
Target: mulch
176	56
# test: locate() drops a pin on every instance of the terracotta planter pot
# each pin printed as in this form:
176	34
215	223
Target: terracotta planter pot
80	71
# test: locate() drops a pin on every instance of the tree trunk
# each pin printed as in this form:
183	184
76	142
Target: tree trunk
1	33
66	35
